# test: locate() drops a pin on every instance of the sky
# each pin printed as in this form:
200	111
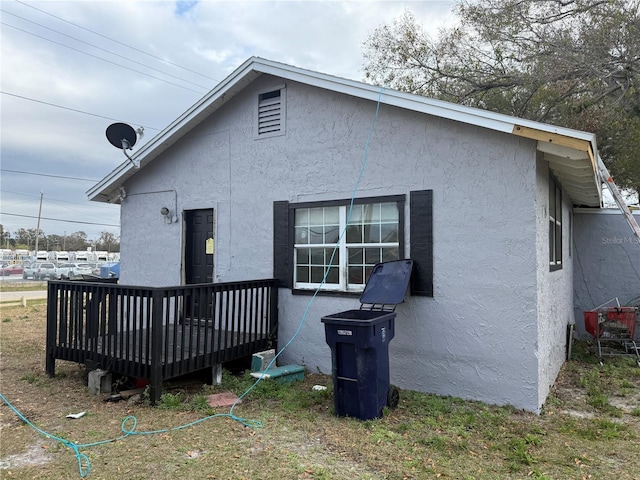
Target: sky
69	69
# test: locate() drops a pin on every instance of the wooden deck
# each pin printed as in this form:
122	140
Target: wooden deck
159	333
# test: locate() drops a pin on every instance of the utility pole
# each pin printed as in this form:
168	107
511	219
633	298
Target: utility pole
38	227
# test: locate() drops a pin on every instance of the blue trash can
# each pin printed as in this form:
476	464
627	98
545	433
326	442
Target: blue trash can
359	342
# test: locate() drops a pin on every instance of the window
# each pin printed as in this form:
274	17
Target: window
555	225
322	245
271	113
312	240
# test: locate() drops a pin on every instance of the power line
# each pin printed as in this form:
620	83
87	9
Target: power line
71	109
118	42
102	205
48	175
103	49
60	220
99	58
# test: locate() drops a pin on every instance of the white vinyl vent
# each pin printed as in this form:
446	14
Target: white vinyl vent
271	113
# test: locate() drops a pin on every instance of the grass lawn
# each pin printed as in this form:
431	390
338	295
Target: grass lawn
32	286
589	428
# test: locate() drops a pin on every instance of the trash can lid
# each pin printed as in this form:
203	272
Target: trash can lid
387	284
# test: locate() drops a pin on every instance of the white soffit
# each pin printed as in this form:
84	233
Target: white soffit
574	170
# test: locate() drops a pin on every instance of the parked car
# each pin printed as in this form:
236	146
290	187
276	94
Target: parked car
68	271
12	270
45	270
29	271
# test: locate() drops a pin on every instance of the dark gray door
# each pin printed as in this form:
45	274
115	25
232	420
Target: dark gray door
199	244
198	257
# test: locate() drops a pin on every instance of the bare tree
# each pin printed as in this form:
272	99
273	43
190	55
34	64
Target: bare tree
574	63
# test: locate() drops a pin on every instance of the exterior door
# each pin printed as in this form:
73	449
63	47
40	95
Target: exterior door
199	244
198	255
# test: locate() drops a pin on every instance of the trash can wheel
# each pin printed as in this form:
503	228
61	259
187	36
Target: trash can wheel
393	397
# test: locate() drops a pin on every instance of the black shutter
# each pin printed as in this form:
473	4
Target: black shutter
282	247
421	242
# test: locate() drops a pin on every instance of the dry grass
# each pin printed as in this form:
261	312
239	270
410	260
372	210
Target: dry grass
590	427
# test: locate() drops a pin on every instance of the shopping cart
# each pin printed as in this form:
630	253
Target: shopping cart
614	330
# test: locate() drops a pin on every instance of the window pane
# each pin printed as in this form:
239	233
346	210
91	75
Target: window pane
356	275
302	217
372	256
302	235
332	215
355	256
315	235
367	273
552	242
316	216
389	233
389	212
370	214
302	256
356	215
317	256
333	276
302	274
331	234
317	274
354	234
390	254
372	233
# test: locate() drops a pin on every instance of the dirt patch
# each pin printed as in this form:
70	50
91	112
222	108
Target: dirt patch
35	455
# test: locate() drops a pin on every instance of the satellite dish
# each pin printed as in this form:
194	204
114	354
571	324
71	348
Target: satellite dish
123	136
119	133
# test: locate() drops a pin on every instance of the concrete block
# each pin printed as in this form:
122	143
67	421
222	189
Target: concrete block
99	382
260	360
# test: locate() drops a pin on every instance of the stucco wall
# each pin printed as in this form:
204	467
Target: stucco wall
607	261
555	297
475	339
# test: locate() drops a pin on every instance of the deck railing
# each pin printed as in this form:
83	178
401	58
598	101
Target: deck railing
158	333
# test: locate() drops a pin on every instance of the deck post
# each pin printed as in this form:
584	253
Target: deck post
157	335
273	315
52	318
216	374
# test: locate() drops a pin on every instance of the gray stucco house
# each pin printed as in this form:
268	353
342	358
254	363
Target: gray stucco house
256	181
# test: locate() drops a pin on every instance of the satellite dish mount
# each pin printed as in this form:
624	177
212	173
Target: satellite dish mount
123	136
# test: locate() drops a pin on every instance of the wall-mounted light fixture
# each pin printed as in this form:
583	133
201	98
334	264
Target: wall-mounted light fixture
166	213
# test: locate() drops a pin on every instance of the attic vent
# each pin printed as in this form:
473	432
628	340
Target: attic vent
271	113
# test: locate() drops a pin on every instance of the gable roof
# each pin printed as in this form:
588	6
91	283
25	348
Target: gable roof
572	154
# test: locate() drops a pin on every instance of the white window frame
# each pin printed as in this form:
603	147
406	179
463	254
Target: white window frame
555	225
342	247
